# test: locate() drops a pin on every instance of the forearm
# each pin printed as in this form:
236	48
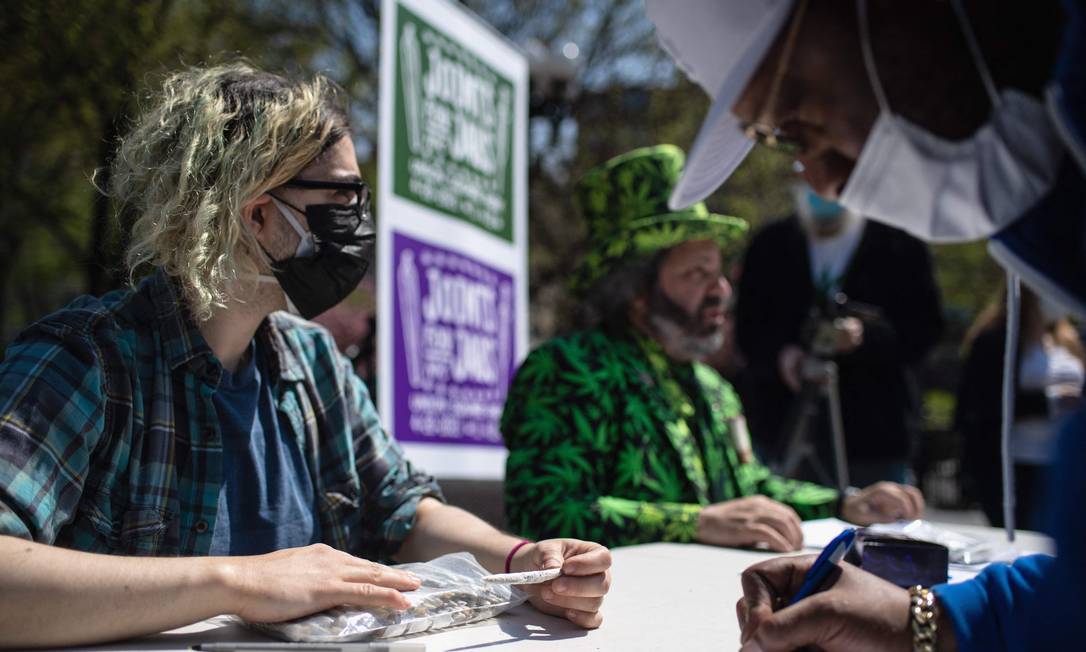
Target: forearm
441	529
54	596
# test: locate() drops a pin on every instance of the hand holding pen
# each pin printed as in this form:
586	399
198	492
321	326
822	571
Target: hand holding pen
790	602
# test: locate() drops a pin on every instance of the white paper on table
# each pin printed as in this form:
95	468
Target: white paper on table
819	532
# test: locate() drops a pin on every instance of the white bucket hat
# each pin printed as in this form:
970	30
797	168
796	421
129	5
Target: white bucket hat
718	44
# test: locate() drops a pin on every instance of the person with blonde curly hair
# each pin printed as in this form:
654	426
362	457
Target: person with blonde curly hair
185	447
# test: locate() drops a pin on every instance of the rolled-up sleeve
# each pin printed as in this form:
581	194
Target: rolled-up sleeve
392	486
51	418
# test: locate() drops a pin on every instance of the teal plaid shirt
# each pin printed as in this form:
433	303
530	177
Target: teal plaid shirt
110	442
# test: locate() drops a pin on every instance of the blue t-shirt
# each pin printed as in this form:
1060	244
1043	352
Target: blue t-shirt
267	501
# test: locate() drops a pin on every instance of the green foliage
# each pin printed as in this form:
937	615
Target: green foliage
968	278
73	72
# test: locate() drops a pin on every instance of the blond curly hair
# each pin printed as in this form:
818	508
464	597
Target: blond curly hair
212	139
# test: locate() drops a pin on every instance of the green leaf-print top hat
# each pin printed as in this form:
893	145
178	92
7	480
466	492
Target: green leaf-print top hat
624	202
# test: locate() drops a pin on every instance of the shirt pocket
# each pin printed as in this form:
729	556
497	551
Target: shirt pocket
143	530
91	519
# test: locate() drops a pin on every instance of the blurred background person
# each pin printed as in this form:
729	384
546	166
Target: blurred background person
1048	386
875	284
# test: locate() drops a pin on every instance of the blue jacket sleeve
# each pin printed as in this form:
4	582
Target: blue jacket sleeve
1058	613
987	612
1038	602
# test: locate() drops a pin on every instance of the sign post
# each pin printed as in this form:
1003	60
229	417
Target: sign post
452	234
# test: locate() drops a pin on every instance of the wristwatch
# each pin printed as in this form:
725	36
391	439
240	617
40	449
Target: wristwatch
849	492
922	617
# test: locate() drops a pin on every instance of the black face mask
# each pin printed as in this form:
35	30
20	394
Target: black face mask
343	238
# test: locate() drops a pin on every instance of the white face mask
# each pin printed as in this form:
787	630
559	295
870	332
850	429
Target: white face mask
306	246
946	191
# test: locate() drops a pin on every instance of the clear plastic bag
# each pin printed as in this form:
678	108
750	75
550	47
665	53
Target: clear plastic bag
452	593
965	550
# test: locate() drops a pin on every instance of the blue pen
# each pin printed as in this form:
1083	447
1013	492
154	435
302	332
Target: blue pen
831	555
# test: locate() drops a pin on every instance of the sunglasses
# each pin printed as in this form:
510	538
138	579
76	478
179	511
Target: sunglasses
359	189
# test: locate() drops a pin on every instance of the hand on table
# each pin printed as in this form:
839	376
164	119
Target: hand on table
883	502
300	581
586	577
749	522
857	612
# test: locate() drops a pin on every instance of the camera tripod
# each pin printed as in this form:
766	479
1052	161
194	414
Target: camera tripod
819	381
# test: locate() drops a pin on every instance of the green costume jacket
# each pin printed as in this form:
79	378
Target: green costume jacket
610	441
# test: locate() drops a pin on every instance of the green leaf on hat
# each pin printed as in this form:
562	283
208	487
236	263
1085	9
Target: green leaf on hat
624	202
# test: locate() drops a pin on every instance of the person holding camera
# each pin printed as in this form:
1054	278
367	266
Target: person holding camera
871	286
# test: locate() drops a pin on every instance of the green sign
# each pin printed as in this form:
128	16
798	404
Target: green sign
453	128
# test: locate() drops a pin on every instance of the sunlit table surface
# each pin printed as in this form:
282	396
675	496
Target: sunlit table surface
664	596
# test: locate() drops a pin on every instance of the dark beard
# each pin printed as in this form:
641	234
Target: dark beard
681	332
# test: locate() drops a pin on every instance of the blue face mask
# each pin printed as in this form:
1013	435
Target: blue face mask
821	210
813	209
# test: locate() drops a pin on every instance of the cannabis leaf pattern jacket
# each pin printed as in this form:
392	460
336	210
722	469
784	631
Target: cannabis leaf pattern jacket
611	441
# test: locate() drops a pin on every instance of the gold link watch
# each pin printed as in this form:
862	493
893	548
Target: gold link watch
922	617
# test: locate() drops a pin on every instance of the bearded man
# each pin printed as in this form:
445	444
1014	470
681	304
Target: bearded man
618	432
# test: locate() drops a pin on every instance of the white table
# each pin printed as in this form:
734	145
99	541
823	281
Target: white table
664	596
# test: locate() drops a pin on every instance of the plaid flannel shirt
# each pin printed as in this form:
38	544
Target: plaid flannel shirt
110	442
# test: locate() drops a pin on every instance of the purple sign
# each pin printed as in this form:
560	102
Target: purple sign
453	344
